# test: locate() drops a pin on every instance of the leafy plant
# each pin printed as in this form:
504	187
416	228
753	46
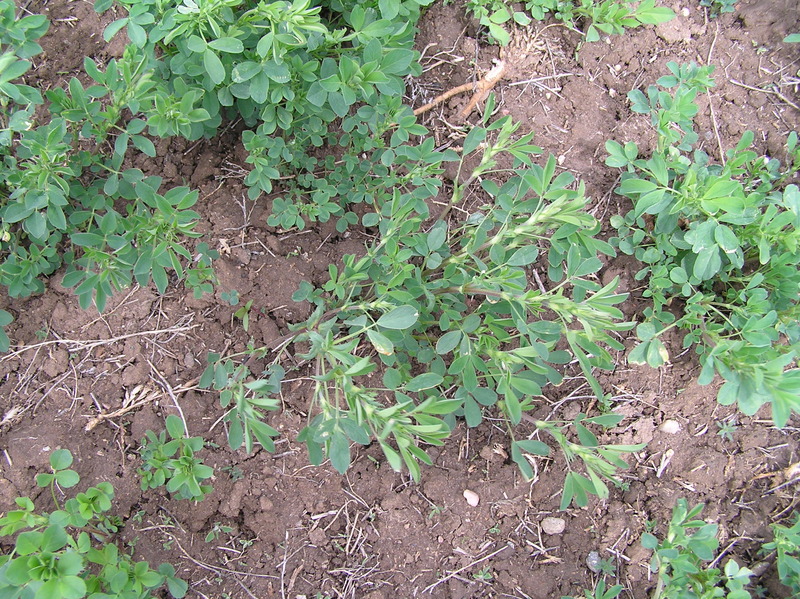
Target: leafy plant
64	197
295	74
69	553
719	245
718	7
678	560
173	463
447	309
593	17
786	544
600	591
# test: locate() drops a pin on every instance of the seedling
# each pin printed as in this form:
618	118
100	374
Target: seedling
600	591
678	560
69	553
726	428
173	463
718	242
216	530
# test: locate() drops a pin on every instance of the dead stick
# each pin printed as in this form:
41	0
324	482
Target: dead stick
486	84
480	90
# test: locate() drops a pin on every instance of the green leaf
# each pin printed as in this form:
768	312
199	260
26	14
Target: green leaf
137	34
175	427
400	318
67	478
61	459
213	66
382	344
448	342
230	45
427	380
534	447
144	145
339	452
524	256
114	28
474	138
437	236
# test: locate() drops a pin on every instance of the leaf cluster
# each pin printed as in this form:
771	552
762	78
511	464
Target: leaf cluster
594	17
719	248
446	308
678	560
173	463
68	553
65	197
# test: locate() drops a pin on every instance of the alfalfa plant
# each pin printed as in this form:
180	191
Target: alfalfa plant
173	463
588	17
720	247
679	560
65	198
69	553
447	310
786	545
595	17
301	75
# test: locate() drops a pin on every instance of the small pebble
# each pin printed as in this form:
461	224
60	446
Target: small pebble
593	561
553	526
472	497
671	427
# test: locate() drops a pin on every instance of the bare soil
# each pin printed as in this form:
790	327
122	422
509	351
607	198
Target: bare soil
305	531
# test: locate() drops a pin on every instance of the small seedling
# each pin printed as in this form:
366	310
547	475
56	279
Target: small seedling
69	553
173	463
216	530
727	427
484	575
600	591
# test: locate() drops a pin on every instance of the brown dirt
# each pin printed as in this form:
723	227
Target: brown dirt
303	531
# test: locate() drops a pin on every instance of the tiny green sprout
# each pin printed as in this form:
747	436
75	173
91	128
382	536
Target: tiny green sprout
216	530
727	427
61	475
436	510
484	575
232	297
243	314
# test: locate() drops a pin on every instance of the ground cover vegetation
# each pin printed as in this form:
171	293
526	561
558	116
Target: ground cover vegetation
439	310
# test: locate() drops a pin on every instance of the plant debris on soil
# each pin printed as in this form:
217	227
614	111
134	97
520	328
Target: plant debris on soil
94	383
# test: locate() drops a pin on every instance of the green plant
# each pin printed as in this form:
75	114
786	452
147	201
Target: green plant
484	575
493	14
678	560
593	17
447	309
786	544
726	428
719	244
294	72
718	7
243	314
173	463
792	38
234	472
600	591
216	530
64	197
69	553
